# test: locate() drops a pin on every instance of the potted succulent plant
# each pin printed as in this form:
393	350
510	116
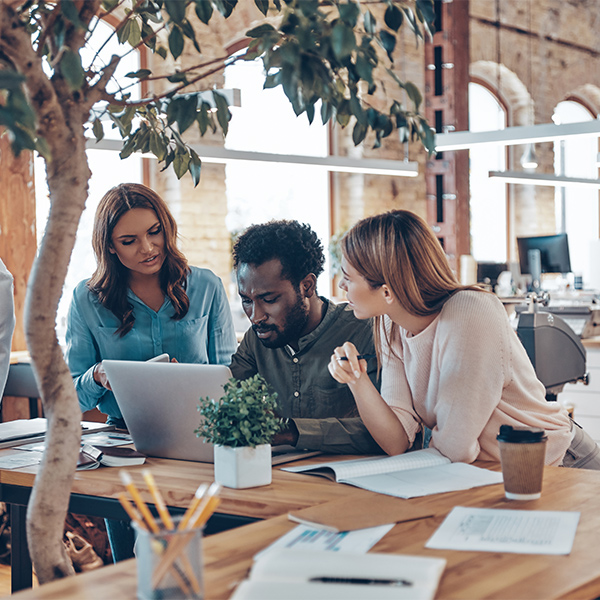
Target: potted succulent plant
241	425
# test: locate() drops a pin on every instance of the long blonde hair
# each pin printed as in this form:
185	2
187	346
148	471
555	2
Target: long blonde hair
399	249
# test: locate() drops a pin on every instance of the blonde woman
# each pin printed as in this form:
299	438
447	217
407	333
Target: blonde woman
450	360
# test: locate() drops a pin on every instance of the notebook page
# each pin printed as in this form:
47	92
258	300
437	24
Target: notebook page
372	466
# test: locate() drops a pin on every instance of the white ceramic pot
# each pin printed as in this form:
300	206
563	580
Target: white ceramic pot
243	467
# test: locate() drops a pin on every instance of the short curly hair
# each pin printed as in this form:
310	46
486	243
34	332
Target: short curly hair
294	244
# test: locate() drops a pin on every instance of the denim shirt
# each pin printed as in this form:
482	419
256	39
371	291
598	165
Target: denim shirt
204	335
323	410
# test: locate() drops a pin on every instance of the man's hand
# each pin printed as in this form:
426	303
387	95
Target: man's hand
287	436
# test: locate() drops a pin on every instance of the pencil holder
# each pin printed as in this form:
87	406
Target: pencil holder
169	563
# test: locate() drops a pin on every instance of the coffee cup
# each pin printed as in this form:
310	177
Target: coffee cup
522	454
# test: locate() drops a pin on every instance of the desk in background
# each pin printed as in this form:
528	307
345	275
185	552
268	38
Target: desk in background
472	575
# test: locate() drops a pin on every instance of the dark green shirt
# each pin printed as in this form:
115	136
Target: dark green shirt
323	410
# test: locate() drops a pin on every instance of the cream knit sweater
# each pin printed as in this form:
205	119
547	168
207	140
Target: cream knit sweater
465	375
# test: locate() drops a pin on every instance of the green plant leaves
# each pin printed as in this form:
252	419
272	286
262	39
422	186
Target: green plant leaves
72	71
243	416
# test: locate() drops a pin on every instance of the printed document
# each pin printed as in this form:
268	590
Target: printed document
304	537
503	530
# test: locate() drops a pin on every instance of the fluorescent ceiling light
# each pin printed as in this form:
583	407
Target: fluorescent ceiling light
543	179
462	140
337	164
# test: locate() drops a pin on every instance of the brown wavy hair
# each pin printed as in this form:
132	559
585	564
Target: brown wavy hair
399	249
110	280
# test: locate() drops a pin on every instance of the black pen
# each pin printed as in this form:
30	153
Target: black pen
362	581
360	356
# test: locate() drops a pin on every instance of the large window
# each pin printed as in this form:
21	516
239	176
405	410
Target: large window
258	192
577	207
488	196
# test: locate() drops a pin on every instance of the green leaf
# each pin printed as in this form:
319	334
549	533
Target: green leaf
176	42
70	66
358	133
223	113
123	32
262	5
343	41
261	30
393	17
195	167
140	74
180	164
427	10
369	22
98	130
187	113
109	5
349	13
189	33
70	12
204	10
135	34
225	7
176	9
414	94
158	146
388	43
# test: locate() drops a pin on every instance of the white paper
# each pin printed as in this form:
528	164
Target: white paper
296	574
20	459
503	530
305	537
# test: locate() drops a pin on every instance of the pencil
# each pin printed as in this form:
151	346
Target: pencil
360	357
193	505
168	523
202	514
158	499
134	515
141	505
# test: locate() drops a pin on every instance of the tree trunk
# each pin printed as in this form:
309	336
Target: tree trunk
67	181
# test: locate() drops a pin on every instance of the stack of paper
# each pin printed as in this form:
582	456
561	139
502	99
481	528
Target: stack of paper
302	574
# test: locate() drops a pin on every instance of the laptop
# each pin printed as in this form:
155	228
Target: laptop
159	403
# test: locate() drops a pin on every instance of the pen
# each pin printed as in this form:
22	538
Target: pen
360	356
362	581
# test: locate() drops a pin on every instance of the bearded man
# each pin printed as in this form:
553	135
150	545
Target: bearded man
293	334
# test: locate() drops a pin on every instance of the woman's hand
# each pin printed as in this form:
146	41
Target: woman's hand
345	366
100	376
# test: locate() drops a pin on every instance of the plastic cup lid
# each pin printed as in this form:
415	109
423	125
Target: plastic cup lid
521	435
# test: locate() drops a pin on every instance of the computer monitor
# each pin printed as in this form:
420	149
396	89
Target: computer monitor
553	253
488	272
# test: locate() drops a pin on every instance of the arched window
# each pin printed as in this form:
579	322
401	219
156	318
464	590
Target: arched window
258	192
577	207
107	169
488	196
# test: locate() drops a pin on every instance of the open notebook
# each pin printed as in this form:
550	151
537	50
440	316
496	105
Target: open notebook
409	475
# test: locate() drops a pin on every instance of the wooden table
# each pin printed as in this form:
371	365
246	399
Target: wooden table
472	575
95	493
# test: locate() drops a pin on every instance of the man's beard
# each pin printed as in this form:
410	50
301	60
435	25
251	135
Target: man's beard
294	325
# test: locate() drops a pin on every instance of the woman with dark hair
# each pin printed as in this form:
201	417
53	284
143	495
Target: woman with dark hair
143	299
450	360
